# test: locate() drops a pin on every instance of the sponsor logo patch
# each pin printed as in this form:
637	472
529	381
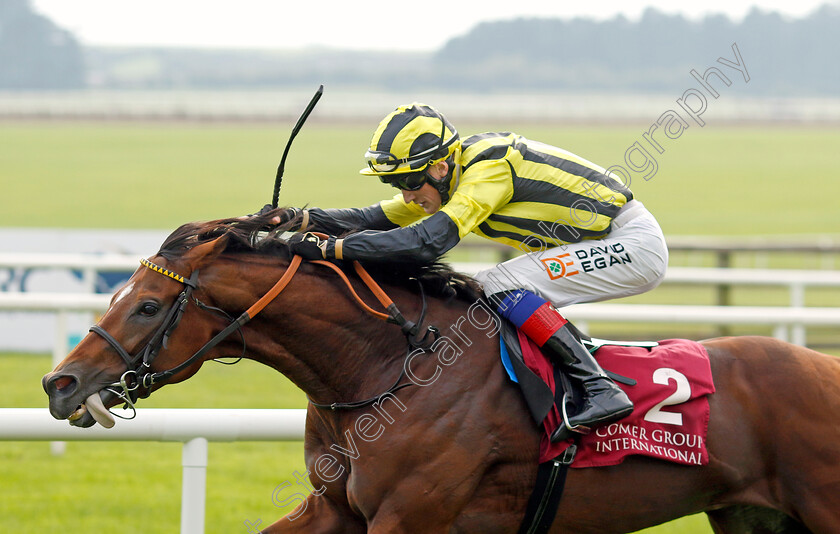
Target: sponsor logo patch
556	267
586	261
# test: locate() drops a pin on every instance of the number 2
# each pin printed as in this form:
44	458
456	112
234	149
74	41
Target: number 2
663	376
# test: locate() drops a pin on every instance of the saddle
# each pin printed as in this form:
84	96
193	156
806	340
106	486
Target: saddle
669	384
543	390
676	433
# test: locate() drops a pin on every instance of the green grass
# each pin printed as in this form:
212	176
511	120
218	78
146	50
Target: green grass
97	486
718	180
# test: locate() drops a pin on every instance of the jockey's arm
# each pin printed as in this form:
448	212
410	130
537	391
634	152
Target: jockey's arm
340	221
423	242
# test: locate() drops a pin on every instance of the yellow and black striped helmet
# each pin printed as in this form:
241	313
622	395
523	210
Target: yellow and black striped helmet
409	139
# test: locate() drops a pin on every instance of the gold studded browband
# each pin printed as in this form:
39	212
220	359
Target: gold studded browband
166	272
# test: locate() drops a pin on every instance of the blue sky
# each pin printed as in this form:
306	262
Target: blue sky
375	24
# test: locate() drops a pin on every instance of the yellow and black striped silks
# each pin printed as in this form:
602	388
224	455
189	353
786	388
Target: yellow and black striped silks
525	194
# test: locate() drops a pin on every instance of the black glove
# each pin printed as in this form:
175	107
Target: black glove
265	210
311	247
281	215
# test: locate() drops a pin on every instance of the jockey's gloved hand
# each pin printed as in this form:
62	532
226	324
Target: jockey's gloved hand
311	247
265	210
282	215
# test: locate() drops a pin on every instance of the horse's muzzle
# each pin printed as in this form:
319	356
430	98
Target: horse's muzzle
64	393
61	389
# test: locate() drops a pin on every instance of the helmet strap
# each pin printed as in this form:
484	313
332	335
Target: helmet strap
442	185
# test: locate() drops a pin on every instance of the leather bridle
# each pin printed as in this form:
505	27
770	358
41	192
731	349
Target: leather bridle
139	373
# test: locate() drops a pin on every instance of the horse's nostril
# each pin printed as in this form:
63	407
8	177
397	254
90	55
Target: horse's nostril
64	384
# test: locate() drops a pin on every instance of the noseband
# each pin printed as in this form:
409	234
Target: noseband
139	373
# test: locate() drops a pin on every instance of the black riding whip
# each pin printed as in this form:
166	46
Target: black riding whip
279	179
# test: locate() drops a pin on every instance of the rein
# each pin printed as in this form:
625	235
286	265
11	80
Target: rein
409	328
139	365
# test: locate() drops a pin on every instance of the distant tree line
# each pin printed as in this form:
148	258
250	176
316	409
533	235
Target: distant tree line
35	53
785	57
183	68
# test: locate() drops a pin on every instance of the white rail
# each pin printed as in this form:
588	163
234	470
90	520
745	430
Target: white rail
718	275
57	302
789	322
638	313
795	280
97	262
194	428
684	275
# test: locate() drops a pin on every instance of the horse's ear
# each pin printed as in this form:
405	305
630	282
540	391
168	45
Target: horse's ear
203	254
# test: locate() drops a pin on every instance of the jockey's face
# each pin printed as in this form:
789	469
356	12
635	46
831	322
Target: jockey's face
427	197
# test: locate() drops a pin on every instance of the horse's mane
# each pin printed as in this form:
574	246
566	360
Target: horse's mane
257	235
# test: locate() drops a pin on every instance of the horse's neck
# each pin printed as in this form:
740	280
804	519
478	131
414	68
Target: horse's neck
319	338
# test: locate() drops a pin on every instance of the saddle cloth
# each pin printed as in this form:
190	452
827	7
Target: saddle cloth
670	397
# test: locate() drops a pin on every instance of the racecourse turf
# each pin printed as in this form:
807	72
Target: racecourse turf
717	180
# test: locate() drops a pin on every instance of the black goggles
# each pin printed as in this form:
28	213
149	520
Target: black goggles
411	181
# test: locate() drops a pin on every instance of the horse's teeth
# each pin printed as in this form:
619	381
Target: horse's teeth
80	411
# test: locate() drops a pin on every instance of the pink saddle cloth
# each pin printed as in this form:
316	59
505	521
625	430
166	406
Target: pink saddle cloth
671	407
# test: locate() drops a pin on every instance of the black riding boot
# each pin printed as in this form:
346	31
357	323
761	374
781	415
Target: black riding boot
603	403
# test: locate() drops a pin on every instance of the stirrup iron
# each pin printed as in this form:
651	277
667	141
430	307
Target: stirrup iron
579	429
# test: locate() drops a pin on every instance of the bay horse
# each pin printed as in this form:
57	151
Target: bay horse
454	452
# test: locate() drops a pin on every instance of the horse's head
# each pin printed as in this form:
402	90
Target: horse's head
129	353
136	348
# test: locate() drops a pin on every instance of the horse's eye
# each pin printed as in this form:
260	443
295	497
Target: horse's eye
148	309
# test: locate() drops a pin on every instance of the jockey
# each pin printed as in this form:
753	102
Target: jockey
584	236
